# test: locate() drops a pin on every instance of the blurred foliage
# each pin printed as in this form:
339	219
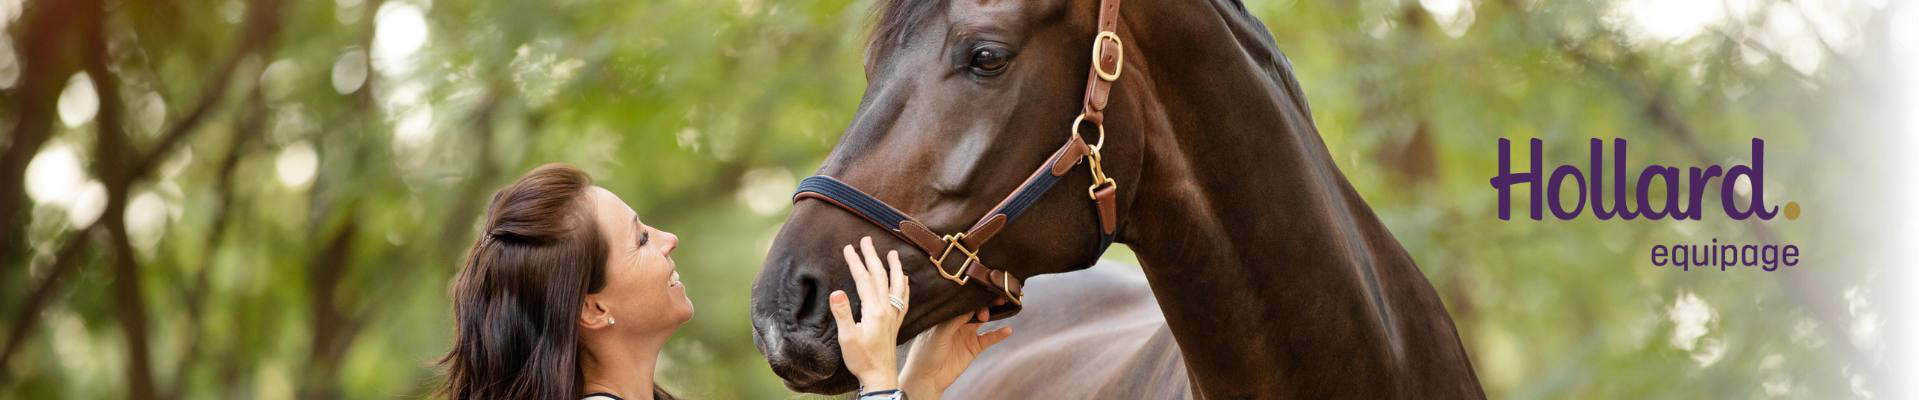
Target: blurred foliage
296	180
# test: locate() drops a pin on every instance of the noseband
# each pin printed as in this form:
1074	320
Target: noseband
1108	60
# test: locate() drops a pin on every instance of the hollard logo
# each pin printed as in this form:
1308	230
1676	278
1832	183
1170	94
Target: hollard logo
1593	186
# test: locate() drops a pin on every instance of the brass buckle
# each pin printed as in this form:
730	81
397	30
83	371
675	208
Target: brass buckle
1005	285
959	274
1099	44
1093	191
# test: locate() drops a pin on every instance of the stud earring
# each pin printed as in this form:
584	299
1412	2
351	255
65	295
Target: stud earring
609	320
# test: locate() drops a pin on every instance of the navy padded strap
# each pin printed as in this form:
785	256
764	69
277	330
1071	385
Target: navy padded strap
1026	195
854	200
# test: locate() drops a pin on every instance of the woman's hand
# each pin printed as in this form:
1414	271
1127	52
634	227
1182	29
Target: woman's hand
868	346
940	355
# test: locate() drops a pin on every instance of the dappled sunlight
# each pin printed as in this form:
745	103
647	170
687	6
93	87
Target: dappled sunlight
400	31
84	357
1665	20
87	203
1454	16
349	71
55	176
9	63
281	78
79	101
9	11
348	12
1692	319
413	128
149	114
147	218
766	191
296	165
540	72
1866	323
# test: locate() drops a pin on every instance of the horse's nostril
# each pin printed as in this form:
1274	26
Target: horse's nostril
811	298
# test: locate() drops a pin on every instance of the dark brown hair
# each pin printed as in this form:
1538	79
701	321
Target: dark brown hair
516	303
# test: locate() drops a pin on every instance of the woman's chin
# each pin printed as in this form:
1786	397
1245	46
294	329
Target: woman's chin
686	304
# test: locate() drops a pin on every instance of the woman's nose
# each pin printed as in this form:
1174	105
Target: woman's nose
672	241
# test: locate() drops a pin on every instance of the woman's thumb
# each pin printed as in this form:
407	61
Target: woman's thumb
842	311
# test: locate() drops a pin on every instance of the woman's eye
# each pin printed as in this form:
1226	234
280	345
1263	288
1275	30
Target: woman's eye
989	61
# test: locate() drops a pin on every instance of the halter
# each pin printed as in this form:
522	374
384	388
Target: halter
1108	62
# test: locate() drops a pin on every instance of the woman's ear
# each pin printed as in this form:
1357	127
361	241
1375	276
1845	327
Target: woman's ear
594	314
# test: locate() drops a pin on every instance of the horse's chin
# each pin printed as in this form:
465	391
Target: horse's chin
815	377
833	384
806	367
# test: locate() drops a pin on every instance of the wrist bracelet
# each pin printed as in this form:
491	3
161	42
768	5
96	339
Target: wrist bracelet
888	394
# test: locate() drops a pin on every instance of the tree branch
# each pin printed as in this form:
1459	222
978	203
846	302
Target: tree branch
111	152
194	292
332	329
262	24
64	262
46	30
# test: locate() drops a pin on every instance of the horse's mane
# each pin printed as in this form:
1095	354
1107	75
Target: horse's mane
1257	42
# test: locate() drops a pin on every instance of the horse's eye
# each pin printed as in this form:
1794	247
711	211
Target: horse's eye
989	61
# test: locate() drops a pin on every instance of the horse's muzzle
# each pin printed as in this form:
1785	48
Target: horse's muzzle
792	327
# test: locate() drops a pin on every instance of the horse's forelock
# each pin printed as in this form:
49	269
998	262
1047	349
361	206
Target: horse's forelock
895	19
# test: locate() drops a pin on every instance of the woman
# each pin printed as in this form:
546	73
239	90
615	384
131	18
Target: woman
567	295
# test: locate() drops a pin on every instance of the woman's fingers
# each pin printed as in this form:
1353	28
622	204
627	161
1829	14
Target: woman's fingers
958	323
874	269
899	285
842	313
862	283
993	337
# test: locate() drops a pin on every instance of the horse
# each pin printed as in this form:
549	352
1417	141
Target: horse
1274	277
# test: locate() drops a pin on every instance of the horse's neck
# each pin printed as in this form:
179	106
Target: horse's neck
1272	272
1253	258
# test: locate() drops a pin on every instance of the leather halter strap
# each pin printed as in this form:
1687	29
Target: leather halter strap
960	250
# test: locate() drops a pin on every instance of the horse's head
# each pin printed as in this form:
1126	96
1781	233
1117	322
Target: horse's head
965	99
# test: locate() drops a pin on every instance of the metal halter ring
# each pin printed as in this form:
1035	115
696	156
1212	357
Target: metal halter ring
1102	131
1093	158
959	274
1099	44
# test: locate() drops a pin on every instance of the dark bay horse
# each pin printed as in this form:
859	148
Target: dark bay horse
1274	277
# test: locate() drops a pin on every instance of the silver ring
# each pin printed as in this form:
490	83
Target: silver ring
897	303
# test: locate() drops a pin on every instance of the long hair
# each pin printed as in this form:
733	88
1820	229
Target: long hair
516	302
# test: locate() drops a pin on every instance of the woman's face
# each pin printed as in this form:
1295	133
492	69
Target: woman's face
642	283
